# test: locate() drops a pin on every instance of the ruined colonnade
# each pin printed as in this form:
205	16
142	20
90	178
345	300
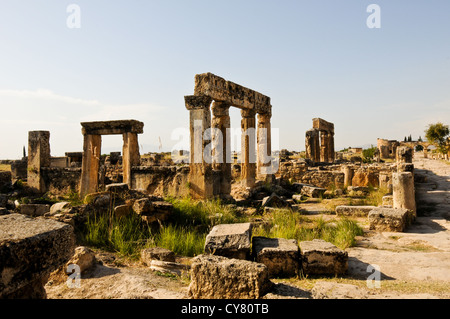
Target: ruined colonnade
210	177
319	141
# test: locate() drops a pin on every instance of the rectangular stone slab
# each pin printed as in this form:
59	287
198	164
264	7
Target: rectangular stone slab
323	258
30	249
281	256
230	240
389	219
234	94
217	277
112	127
344	210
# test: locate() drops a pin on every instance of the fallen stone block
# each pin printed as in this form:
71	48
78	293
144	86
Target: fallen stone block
357	211
5	181
61	207
387	200
156	253
281	256
167	267
230	240
389	219
83	258
323	258
117	188
161	212
34	210
312	191
30	249
143	206
217	277
275	201
122	210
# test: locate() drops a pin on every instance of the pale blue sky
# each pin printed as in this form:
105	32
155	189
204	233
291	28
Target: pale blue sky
137	60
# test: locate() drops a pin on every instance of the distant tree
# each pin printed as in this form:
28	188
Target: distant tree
438	134
420	139
369	153
409	138
405	139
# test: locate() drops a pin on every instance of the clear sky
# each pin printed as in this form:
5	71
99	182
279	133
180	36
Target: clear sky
137	60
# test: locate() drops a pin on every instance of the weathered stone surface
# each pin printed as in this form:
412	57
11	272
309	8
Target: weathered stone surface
5	181
219	89
143	206
403	191
333	290
122	210
38	157
353	210
323	258
61	207
162	211
217	277
117	188
230	240
30	249
404	154
112	127
387	200
34	210
281	256
156	253
312	191
365	177
169	267
84	258
389	219
275	201
322	125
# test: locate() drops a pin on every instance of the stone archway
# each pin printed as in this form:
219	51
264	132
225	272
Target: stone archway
92	132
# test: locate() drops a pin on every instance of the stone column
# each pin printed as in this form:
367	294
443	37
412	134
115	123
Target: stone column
312	145
404	154
248	151
131	156
323	146
201	172
38	157
91	164
264	146
221	145
403	191
330	147
348	175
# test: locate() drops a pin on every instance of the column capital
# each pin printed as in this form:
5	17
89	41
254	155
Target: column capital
248	113
195	102
220	108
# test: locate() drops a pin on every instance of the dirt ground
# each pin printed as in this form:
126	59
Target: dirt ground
412	264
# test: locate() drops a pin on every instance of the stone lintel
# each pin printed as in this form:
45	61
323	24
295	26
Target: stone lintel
217	88
323	125
194	102
112	127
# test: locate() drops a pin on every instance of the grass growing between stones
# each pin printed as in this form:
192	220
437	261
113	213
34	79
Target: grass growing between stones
185	232
291	225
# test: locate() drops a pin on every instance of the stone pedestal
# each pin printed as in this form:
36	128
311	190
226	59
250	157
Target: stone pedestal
348	175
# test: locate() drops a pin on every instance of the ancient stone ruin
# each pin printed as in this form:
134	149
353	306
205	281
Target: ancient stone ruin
209	177
319	141
92	133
